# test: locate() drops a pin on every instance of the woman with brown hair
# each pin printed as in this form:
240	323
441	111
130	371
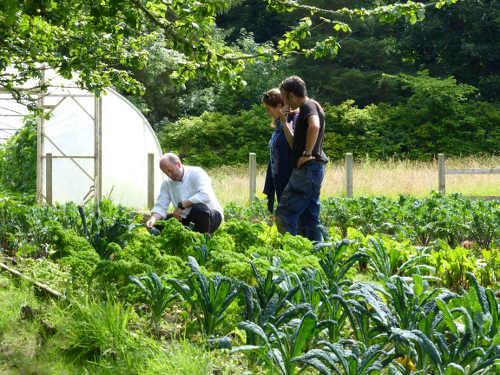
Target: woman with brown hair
281	161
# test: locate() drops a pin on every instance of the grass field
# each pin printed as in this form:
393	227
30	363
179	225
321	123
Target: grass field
373	178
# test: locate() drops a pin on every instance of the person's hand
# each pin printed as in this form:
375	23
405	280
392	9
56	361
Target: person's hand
151	222
177	213
285	110
304	159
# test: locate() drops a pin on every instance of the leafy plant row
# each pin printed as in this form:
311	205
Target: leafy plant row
107	243
451	218
303	306
294	322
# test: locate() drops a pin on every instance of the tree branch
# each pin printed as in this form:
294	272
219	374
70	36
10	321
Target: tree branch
344	11
254	56
169	12
165	26
38	284
233	56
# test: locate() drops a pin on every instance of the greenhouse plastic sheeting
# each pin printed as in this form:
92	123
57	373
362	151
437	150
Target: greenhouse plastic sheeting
127	139
70	136
11	116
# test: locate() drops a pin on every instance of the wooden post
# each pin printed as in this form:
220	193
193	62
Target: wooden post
39	149
348	175
39	161
441	174
48	178
151	180
252	164
98	148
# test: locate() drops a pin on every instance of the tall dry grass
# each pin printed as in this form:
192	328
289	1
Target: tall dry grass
373	178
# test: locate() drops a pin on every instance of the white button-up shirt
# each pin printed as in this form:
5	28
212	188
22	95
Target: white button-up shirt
195	187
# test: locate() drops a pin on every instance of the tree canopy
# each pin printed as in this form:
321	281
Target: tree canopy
103	40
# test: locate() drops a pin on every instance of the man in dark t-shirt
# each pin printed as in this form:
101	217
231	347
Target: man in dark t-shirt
300	202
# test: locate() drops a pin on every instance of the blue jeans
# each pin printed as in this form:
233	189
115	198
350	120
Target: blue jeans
300	201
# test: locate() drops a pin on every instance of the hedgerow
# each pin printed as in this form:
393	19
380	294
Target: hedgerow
439	115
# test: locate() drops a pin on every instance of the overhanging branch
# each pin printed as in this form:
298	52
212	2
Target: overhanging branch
164	25
345	11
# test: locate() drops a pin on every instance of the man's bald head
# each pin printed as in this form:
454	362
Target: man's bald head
171	165
169	158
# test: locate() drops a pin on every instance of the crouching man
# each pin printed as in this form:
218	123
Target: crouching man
190	191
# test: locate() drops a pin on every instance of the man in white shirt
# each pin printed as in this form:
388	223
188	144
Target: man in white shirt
190	191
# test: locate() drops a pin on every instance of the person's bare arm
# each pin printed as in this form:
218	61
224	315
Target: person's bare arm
287	126
161	206
311	138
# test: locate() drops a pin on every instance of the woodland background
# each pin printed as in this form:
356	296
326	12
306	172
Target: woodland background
394	90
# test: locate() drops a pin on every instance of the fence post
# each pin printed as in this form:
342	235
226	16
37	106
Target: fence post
151	180
252	165
441	174
348	175
48	178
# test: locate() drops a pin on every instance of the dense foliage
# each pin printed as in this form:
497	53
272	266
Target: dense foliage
18	160
111	245
438	116
376	103
204	140
415	115
458	41
390	287
103	41
452	41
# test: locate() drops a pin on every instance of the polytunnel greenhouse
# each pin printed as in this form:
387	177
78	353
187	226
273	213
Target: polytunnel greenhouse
90	147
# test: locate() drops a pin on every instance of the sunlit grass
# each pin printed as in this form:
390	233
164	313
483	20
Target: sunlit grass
373	178
92	338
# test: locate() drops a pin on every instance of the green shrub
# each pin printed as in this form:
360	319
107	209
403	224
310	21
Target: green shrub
18	159
452	265
214	139
98	332
439	115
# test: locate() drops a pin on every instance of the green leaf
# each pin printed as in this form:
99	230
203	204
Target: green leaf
255	329
419	338
418	284
314	358
279	361
493	309
304	333
447	318
481	296
317	364
246	348
454	369
369	357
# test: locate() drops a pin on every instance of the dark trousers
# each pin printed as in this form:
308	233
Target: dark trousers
202	218
299	203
